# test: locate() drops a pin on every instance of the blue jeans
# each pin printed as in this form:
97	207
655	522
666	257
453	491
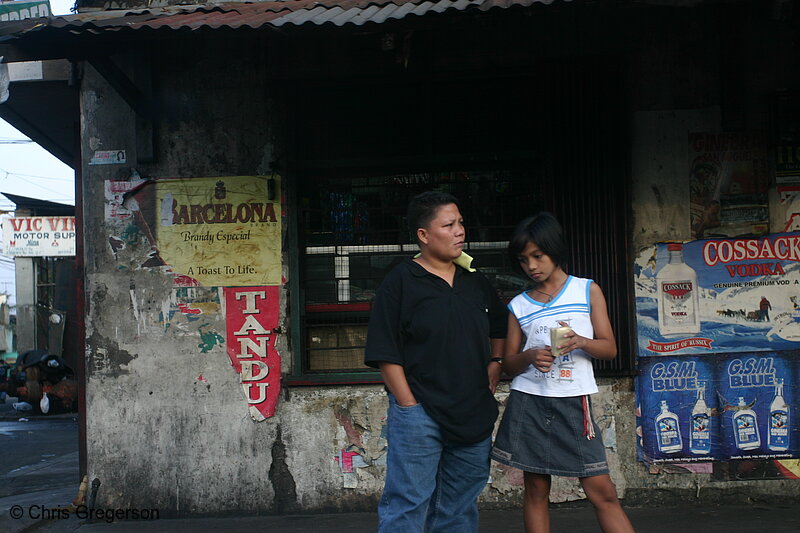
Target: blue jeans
431	485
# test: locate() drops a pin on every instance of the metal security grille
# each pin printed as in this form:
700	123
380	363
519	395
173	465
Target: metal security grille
555	140
356	232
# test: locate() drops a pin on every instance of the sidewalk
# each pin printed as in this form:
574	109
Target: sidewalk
565	518
11	505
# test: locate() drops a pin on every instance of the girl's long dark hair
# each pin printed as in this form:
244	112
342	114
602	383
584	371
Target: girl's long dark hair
544	230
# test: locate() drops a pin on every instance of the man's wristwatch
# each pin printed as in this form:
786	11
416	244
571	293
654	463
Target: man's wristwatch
496	360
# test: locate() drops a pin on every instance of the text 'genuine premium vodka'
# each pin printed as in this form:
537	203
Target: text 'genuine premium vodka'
778	439
668	431
700	435
678	299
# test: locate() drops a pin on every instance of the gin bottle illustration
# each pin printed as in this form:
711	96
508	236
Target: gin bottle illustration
668	431
778	439
700	436
678	299
745	427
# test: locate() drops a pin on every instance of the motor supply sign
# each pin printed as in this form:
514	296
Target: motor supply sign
39	236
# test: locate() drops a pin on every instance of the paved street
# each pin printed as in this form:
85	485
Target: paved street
38	454
39	463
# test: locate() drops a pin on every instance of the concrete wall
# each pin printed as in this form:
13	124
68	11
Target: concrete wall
167	424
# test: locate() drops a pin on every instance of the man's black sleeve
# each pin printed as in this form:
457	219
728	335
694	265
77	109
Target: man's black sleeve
383	334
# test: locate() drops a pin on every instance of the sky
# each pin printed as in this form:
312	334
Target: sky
27	169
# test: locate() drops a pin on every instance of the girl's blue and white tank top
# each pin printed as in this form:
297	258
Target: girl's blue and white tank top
571	374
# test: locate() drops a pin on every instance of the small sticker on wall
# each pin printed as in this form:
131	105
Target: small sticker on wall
109	157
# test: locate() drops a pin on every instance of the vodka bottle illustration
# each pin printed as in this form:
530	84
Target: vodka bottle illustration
677	292
745	427
778	439
700	436
668	431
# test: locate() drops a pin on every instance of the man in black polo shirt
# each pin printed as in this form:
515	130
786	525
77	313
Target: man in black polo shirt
436	332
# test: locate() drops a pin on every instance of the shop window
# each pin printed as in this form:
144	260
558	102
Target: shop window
354	231
556	140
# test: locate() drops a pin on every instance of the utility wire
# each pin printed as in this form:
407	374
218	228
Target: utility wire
40	186
9	173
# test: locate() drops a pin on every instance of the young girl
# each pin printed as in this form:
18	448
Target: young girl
547	428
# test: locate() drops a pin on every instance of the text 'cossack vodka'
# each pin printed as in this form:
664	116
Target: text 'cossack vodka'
677	293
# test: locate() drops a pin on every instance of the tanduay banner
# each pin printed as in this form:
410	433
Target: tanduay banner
718	323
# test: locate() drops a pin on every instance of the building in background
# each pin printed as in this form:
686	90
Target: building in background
243	169
40	236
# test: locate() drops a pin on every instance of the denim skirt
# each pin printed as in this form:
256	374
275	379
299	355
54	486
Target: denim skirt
545	435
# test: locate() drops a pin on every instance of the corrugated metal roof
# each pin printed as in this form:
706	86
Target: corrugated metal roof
42	207
253	15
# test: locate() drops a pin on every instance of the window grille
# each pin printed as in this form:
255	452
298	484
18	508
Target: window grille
561	147
355	233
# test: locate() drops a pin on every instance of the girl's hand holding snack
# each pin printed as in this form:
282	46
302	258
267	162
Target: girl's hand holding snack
568	340
541	358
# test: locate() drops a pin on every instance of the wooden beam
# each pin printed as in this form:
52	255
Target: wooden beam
123	85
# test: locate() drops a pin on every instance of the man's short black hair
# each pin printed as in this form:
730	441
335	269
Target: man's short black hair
423	207
544	230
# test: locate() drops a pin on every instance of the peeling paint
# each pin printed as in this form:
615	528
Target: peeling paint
135	306
361	439
131	234
116	244
209	339
350	458
347	423
610	435
186	305
506	479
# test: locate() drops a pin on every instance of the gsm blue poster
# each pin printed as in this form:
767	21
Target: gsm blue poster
729	406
